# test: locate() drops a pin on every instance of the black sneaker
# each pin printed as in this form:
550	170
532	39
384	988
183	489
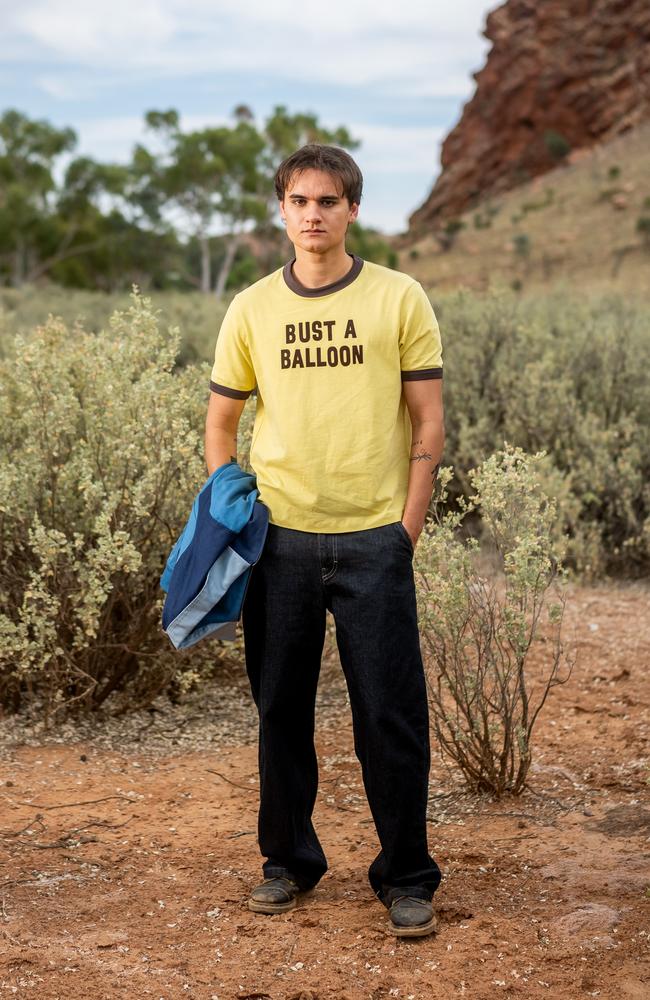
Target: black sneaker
274	895
412	917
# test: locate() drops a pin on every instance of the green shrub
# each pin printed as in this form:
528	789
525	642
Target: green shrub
521	243
447	235
558	373
538	205
567	376
100	458
482	220
558	145
493	641
643	228
198	317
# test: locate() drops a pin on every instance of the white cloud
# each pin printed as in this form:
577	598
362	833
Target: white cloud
423	47
397	149
86	31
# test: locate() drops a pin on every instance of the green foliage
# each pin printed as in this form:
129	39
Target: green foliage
245	270
536	205
198	317
100	458
370	245
557	145
483	218
44	224
481	631
482	221
447	235
643	228
566	376
608	193
107	226
559	374
454	226
614	172
521	243
286	132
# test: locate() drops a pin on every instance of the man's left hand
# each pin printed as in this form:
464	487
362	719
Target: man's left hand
413	529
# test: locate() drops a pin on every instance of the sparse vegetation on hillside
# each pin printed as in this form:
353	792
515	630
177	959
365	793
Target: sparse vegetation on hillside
581	221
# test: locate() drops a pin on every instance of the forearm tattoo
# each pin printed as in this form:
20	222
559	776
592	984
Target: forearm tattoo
421	455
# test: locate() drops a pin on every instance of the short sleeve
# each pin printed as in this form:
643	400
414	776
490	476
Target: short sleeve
232	373
420	347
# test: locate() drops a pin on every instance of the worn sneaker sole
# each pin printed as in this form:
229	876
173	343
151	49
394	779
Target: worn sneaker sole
418	930
259	906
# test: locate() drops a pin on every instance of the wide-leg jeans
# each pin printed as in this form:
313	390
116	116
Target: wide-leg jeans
365	578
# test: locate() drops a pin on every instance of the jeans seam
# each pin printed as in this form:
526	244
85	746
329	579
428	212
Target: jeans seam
328	576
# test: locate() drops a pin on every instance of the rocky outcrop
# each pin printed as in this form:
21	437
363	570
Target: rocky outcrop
561	75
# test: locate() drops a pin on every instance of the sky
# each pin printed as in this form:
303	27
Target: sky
396	73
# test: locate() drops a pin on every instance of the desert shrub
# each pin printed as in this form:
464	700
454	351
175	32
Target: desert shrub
197	317
643	229
557	144
492	642
481	220
521	244
100	458
557	373
536	205
566	376
446	236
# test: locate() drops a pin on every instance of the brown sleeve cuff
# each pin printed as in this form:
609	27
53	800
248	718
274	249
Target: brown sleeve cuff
421	373
225	390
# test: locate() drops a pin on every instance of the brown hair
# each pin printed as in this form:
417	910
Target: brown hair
331	159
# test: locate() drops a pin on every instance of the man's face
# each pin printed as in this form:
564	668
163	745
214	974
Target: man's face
316	213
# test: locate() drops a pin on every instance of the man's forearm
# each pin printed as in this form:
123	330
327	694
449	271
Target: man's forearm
220	447
426	452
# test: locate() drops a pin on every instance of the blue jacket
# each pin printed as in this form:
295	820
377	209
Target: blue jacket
208	569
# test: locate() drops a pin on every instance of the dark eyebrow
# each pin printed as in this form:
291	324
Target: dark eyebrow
323	197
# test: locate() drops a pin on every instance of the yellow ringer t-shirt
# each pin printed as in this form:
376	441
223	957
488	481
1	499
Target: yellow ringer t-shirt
332	435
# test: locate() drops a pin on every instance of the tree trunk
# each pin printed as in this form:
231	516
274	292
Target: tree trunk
206	281
226	267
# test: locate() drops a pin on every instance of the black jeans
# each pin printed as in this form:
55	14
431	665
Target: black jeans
365	578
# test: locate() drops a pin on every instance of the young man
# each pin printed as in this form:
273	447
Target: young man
348	435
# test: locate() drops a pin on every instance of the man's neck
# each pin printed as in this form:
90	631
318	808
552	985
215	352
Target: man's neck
314	270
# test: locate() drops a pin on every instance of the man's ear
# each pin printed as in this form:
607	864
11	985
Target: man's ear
354	213
282	212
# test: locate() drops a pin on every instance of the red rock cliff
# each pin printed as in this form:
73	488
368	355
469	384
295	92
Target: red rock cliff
579	69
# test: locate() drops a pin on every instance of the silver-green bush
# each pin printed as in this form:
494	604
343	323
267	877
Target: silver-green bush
492	640
100	458
568	377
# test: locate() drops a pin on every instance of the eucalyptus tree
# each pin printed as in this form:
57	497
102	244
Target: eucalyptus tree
28	151
206	180
44	221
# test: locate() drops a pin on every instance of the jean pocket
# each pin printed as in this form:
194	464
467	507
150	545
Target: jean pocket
405	535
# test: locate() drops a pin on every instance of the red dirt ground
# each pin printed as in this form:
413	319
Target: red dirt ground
128	850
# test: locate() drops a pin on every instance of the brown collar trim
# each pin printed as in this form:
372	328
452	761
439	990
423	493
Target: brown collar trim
313	293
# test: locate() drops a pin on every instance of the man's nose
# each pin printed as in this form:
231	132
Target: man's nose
314	212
